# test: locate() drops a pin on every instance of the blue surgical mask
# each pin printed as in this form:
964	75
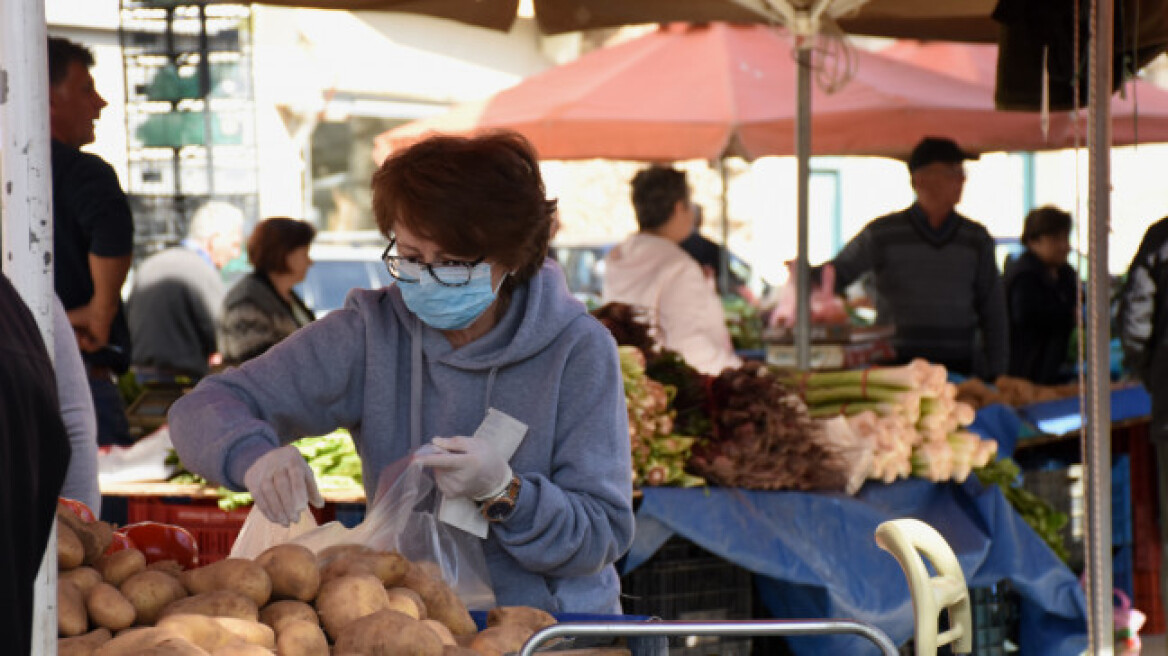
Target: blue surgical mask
450	308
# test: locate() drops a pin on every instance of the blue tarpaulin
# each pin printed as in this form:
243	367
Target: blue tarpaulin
815	556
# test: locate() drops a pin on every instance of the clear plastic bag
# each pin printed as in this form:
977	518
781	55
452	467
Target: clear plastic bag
401	518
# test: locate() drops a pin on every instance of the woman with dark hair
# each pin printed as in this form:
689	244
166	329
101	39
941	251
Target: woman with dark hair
1040	296
262	309
478	321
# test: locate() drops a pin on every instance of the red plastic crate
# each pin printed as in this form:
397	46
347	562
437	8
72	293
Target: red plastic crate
1148	601
214	529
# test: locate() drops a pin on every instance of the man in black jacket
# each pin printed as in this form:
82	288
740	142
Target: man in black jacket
34	454
1143	330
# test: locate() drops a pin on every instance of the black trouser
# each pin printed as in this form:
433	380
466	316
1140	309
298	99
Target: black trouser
113	428
1161	447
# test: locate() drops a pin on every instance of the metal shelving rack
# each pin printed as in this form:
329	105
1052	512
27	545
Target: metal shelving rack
190	112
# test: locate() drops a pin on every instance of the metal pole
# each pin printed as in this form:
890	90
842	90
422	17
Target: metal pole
26	232
1096	394
803	174
713	628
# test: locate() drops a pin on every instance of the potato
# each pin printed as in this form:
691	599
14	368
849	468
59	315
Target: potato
442	603
72	619
70	551
95	536
82	577
345	599
109	608
167	567
150	592
525	616
241	649
387	566
120	565
448	650
237	574
388	633
274	614
406	601
301	638
329	554
220	603
499	640
440	630
249	630
135	641
203	631
292	570
175	647
83	645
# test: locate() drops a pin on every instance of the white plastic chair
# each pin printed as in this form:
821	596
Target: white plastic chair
907	539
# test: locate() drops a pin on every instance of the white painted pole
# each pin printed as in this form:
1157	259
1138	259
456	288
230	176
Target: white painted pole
26	220
1095	397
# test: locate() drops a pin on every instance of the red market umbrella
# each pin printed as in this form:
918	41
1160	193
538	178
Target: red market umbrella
1139	112
716	90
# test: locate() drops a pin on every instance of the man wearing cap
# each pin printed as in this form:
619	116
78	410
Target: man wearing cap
933	271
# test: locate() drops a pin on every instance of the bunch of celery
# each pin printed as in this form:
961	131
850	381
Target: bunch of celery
910	414
659	455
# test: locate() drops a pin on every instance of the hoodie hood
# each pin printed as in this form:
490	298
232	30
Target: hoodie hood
539	311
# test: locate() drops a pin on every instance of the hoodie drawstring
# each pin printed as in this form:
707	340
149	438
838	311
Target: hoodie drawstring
490	387
416	386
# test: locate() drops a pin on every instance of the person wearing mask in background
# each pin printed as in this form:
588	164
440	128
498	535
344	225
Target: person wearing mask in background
177	295
93	235
478	319
650	270
1142	323
933	270
1041	291
35	458
262	309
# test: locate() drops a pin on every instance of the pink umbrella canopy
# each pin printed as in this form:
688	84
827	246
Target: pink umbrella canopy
1139	112
715	90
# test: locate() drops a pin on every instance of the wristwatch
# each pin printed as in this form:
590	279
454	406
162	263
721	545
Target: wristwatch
499	507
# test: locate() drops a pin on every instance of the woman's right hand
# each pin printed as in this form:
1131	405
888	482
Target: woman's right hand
282	485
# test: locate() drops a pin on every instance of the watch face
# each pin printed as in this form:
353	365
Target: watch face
498	509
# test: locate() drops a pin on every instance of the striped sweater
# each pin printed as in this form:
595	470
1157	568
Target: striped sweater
940	287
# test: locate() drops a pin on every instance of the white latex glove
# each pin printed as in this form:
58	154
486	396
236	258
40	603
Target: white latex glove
282	485
470	467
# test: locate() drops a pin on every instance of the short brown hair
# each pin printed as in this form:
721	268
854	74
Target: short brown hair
1047	220
63	52
655	193
479	196
273	239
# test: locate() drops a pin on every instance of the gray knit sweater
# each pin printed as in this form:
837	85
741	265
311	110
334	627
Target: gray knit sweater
941	288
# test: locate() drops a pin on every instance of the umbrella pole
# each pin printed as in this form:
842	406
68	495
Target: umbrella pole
26	222
724	260
1096	393
803	174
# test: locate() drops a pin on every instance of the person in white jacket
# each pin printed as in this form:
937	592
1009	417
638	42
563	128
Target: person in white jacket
650	270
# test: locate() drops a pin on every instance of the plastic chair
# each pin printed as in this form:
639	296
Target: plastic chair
907	539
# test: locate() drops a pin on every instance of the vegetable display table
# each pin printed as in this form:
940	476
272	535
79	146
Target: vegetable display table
814	555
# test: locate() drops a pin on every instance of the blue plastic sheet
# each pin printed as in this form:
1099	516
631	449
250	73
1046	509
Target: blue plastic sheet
1064	415
815	555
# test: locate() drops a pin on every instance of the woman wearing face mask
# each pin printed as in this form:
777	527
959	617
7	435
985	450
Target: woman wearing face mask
262	308
477	319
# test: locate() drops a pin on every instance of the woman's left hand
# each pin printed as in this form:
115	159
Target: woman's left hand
467	467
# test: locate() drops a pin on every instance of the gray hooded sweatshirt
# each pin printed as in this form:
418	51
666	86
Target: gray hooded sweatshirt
394	382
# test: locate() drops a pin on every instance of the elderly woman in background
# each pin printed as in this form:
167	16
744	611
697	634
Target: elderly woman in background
1040	296
262	309
478	319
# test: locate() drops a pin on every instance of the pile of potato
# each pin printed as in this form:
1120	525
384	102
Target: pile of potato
348	600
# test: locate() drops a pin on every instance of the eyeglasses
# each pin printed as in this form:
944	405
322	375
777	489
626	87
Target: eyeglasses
451	273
